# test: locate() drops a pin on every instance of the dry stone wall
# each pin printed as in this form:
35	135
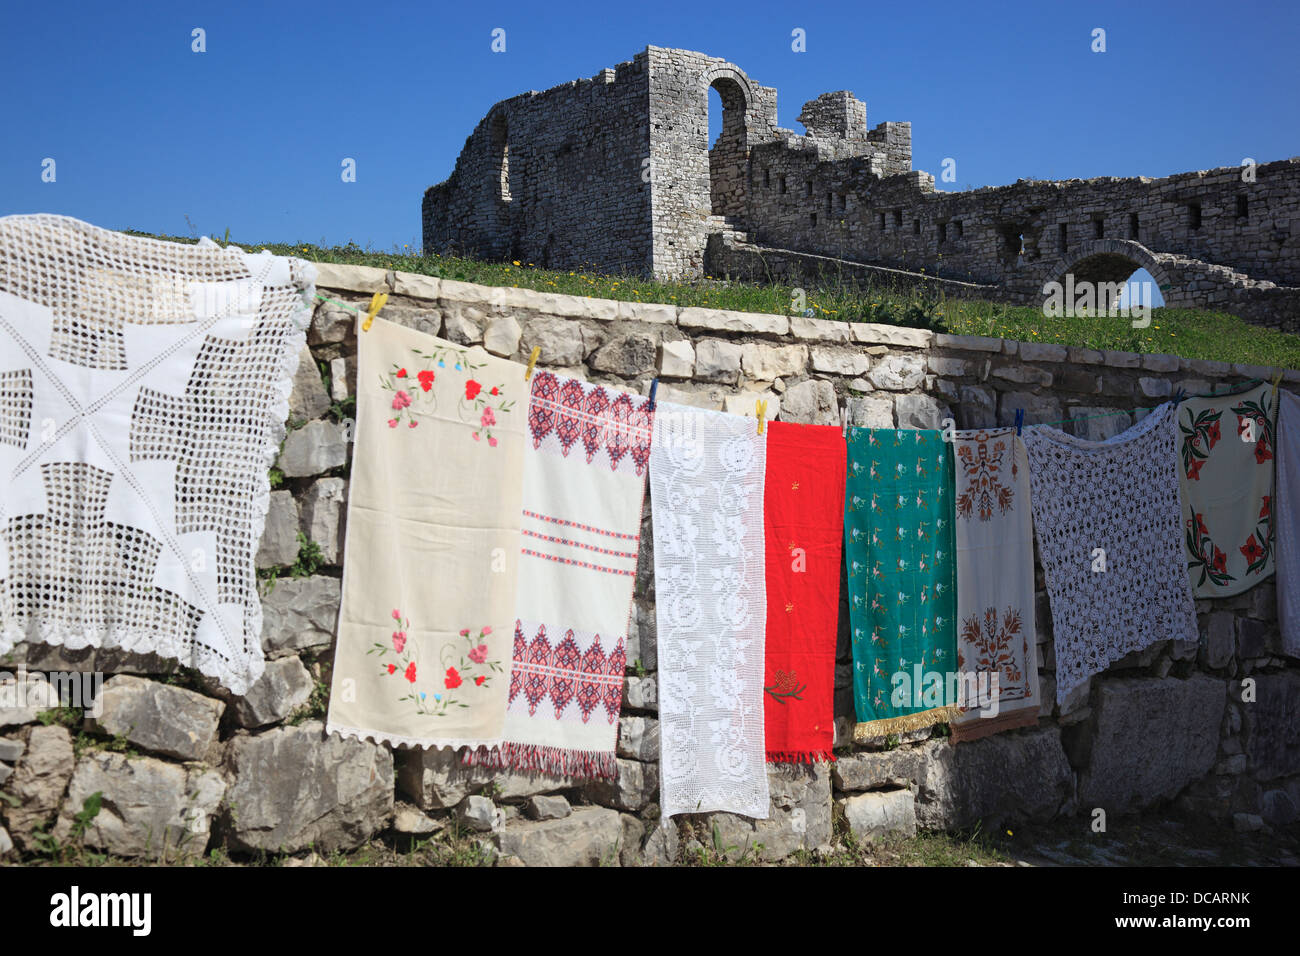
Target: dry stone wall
184	767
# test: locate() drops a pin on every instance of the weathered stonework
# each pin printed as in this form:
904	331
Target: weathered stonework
616	172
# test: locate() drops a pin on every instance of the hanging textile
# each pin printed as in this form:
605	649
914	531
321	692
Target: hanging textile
143	391
1288	521
706	486
432	547
1226	480
898	541
585	460
1109	536
995	585
803	516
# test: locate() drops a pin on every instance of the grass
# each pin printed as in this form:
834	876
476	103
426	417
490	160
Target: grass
1189	333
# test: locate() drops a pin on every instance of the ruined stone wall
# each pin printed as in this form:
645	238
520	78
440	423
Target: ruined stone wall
1025	234
182	764
553	178
1220	239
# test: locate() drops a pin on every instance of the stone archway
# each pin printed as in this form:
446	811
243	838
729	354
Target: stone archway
729	154
1111	261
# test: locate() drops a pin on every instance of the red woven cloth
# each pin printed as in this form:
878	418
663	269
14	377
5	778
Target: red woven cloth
803	526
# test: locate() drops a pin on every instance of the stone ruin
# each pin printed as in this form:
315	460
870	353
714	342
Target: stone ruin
616	173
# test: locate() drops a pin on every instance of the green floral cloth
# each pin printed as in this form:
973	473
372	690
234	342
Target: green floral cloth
899	547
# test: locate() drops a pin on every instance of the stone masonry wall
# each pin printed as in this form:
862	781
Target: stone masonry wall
553	178
618	172
183	767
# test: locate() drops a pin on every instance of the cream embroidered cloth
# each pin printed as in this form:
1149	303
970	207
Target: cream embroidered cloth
1226	480
143	391
431	556
1288	521
1109	533
995	584
706	484
584	481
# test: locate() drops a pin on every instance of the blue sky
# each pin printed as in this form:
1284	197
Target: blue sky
250	135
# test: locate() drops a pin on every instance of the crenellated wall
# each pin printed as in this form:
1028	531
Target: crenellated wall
180	763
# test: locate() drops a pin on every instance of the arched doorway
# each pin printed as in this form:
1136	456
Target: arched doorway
729	154
1120	275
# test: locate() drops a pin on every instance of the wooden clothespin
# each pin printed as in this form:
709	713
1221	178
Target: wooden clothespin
760	411
1020	419
654	387
377	302
532	362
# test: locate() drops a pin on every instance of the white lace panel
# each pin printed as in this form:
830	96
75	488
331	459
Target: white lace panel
1287	496
1108	519
143	391
706	486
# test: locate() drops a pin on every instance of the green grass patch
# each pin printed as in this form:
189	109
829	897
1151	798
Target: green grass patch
1189	333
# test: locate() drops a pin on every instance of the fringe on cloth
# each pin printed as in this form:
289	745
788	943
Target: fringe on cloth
984	726
901	725
556	761
800	756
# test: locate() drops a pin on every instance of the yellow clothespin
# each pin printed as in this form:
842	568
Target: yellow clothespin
1277	380
760	410
377	302
532	361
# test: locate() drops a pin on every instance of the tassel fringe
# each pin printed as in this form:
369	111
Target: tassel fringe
800	756
986	726
901	725
555	761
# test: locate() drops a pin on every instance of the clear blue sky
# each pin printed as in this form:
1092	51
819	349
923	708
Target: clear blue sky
250	135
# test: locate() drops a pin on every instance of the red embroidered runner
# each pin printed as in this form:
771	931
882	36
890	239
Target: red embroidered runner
803	525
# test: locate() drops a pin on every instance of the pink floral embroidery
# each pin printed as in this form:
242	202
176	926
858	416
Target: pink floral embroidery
471	663
484	404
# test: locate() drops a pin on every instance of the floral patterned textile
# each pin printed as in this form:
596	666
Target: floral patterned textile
995	585
898	540
431	556
706	485
1106	517
1226	446
584	482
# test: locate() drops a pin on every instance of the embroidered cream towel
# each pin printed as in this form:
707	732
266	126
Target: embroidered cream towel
424	637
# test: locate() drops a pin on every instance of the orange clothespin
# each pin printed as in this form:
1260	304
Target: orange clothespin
760	411
377	302
532	362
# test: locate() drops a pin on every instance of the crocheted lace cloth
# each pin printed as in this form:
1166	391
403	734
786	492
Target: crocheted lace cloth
1120	496
706	485
143	391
